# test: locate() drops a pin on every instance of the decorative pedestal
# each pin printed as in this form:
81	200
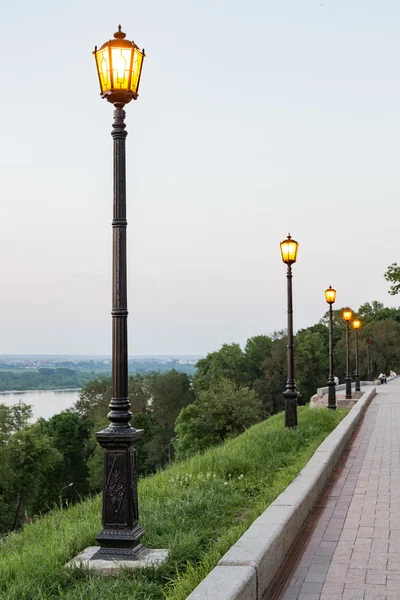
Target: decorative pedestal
121	533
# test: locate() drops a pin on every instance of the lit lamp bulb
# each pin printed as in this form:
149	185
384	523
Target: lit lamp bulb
119	66
330	295
356	324
289	249
347	314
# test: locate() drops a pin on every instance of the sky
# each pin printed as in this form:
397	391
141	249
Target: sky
254	120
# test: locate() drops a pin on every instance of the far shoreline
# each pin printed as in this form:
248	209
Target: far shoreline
52	390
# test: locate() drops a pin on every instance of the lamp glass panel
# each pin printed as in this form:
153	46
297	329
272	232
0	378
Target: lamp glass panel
356	324
330	295
136	70
103	67
347	314
289	251
121	65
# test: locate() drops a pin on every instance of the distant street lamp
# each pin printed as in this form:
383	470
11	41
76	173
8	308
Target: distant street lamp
347	316
61	491
289	249
356	326
370	343
119	67
330	297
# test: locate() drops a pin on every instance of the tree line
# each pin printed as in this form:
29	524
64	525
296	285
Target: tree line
232	389
45	378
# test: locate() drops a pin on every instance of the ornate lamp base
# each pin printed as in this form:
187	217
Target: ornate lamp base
109	538
121	533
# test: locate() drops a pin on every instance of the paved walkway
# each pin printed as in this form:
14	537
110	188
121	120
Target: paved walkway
349	548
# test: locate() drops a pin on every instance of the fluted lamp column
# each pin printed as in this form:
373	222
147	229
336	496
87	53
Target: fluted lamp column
356	323
119	66
330	297
289	248
347	316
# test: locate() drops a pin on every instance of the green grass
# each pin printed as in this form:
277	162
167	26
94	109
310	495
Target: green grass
197	509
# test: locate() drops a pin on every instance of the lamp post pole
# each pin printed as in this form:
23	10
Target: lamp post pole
330	296
290	394
289	249
357	373
331	380
356	326
121	533
348	376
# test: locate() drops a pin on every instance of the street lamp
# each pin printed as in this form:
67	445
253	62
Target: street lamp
61	491
356	326
119	66
369	358
330	297
289	249
347	316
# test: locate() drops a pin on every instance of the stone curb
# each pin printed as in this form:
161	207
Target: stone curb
247	569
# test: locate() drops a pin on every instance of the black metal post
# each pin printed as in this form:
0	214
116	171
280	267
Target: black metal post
290	394
357	373
348	376
331	380
121	533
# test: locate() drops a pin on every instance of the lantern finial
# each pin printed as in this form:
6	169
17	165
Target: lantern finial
119	35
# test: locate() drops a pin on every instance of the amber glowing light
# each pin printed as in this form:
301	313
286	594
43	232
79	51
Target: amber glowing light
347	315
330	295
356	324
119	66
289	249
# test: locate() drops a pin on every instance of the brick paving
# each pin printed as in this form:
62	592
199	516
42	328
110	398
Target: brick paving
349	548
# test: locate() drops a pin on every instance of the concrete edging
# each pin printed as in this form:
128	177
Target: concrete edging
247	569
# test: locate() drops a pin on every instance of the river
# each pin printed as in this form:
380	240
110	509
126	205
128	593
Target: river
45	403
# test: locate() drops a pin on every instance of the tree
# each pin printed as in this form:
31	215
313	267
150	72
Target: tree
386	347
156	400
69	434
311	362
32	458
170	392
94	399
13	419
376	311
271	385
256	351
393	276
226	363
217	414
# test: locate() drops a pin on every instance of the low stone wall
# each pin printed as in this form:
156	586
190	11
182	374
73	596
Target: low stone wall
342	386
247	569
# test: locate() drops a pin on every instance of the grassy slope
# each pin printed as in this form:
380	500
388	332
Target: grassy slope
197	509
